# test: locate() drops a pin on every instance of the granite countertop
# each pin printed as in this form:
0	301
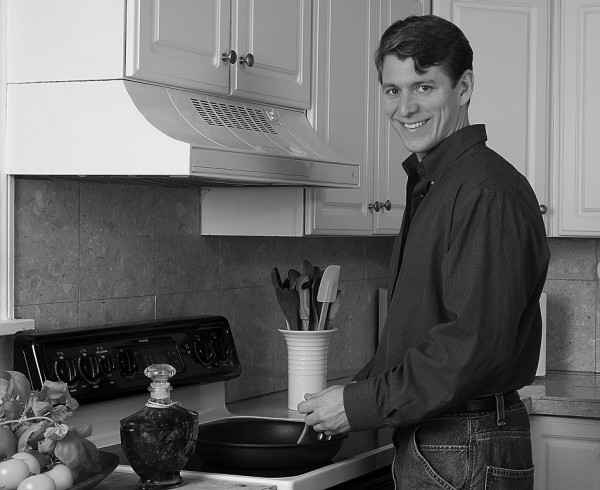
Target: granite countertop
565	393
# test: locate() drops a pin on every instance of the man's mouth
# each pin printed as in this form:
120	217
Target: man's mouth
414	125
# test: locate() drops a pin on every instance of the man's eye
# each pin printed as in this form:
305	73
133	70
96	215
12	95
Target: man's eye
392	91
424	88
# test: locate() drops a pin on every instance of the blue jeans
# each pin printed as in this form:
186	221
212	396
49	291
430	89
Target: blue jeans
466	451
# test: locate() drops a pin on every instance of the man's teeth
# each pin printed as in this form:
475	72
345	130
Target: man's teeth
414	125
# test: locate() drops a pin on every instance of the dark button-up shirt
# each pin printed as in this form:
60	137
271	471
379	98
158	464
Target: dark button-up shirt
466	275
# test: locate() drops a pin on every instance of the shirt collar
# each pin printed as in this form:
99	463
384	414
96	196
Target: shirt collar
440	158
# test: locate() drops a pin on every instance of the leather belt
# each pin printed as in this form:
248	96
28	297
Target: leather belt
487	403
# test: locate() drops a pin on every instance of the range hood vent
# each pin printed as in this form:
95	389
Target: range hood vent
233	116
125	129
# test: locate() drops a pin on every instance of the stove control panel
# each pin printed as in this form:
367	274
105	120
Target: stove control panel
109	362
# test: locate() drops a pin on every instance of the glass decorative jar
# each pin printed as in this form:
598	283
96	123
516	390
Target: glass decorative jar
159	439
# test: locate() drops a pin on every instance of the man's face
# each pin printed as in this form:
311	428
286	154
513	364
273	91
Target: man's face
424	109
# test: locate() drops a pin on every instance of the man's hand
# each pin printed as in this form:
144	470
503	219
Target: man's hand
325	410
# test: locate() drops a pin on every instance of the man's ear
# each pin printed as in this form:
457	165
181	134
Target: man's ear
466	83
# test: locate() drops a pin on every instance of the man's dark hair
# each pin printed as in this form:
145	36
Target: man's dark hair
430	41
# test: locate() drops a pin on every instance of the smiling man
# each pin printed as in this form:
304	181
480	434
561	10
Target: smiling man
463	328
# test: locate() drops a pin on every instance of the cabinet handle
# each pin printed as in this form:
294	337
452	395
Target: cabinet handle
231	56
375	206
380	206
248	59
543	208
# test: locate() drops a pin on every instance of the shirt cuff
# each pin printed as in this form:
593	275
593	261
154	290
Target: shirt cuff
361	406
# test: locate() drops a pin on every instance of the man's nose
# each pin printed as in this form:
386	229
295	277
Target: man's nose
407	104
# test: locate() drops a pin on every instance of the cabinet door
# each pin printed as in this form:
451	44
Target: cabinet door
577	144
566	453
179	43
277	33
344	83
348	115
511	50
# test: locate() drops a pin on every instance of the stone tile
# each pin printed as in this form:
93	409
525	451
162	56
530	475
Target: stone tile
51	317
354	343
186	264
246	261
177	211
117	209
572	258
571	325
347	252
188	304
598	333
116	311
46	241
251	313
116	266
377	256
117	241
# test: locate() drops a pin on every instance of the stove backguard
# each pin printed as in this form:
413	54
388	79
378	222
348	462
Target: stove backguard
108	362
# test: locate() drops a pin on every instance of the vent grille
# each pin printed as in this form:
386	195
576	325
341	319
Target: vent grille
233	116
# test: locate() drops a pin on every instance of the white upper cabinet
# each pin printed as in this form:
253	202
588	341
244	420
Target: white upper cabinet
511	46
180	46
252	49
348	114
576	182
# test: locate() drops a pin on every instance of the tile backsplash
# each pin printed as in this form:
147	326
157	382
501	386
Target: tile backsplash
89	253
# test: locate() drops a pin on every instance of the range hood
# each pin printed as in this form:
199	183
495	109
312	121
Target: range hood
128	129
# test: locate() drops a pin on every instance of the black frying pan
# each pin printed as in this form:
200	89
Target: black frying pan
244	442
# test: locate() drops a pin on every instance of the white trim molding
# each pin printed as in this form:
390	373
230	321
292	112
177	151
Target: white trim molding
8	324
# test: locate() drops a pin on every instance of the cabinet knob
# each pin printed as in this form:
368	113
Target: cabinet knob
248	59
543	208
375	206
380	206
231	56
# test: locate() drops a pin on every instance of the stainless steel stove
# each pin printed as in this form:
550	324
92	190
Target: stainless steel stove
104	366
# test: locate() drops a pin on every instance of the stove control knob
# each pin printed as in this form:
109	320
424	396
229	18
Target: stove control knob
203	351
66	370
221	347
108	364
127	362
89	368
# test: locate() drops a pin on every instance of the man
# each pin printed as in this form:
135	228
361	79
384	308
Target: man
463	328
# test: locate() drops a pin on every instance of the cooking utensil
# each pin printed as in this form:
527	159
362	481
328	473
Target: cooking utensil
276	278
310	435
303	290
309	270
245	442
293	276
327	292
290	304
315	306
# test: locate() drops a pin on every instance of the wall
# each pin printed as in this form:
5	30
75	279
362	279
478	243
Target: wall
90	254
573	318
97	253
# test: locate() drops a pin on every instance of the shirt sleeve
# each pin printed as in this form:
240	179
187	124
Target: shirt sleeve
487	283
